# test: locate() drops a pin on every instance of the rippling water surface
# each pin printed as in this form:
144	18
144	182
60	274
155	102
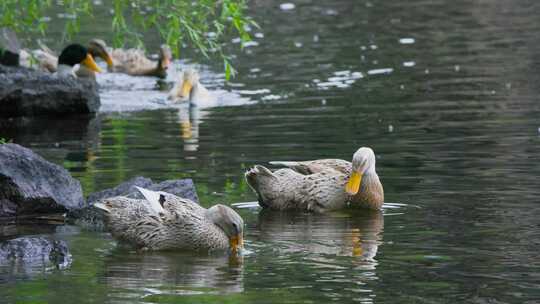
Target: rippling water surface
445	92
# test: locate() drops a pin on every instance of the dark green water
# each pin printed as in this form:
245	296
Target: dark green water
454	123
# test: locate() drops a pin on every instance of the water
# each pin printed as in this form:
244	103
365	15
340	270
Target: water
445	92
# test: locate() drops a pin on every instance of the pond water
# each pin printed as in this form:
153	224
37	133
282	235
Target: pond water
445	92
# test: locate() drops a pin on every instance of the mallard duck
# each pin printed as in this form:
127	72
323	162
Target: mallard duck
135	63
96	48
319	185
48	61
190	88
72	55
163	221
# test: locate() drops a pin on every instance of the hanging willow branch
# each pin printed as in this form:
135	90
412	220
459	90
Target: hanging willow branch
201	24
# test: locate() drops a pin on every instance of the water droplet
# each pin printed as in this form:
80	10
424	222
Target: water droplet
407	40
409	64
380	71
315	38
457	68
298	44
287	6
323	102
390	128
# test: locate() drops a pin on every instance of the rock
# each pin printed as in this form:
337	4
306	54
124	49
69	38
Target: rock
34	251
124	189
9	47
8	57
25	92
91	218
31	185
180	187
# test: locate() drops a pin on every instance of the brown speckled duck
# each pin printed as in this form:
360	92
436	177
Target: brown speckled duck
163	221
135	63
319	185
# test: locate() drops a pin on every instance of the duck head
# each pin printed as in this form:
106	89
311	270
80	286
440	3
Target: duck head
189	82
230	222
363	162
75	54
98	48
164	61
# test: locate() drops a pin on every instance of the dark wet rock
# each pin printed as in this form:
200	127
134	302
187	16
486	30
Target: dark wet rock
180	187
25	92
91	218
124	189
34	251
8	58
31	185
9	47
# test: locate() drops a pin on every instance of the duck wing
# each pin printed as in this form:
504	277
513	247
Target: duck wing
316	166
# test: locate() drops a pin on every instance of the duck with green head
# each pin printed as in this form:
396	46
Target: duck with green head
73	55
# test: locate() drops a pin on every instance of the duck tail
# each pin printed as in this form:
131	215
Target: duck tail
102	206
45	48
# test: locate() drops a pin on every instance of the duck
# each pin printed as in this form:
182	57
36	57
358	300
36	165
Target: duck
319	185
190	88
163	221
48	61
72	55
135	63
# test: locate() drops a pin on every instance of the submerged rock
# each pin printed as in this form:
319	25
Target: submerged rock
25	92
34	252
91	218
31	185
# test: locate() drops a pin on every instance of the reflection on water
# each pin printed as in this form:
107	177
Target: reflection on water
445	92
139	275
357	235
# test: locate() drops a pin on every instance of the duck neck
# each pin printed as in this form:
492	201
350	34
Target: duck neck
371	193
193	95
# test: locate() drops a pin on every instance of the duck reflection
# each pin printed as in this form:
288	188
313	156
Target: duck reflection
174	272
189	118
356	234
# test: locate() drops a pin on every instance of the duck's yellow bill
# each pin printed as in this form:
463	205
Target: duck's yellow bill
90	63
108	60
353	185
237	243
186	89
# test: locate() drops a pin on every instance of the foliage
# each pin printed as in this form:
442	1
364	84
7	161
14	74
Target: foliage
201	24
2	141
